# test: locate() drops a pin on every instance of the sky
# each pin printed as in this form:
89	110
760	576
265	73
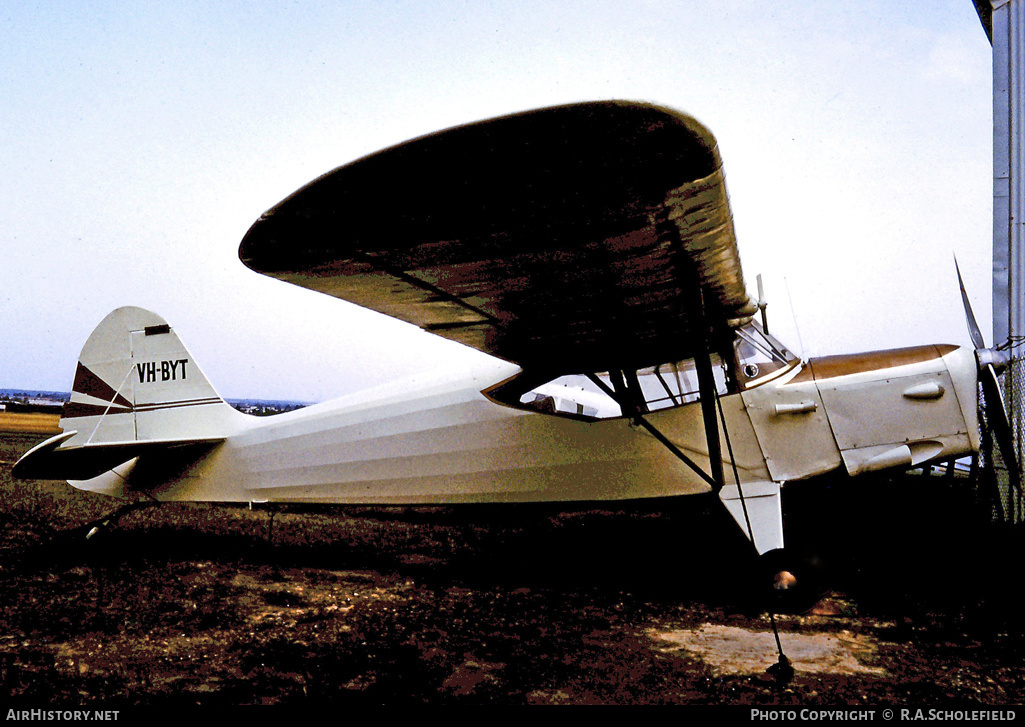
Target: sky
141	140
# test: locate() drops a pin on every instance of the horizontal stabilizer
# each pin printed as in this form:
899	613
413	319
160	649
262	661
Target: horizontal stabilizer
50	460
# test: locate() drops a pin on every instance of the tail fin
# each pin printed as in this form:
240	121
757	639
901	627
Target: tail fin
136	381
137	390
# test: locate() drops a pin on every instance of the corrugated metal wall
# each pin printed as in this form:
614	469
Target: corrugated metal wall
1008	36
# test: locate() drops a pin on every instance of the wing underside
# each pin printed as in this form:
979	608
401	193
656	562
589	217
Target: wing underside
594	236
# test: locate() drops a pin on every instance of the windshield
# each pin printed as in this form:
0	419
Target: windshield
758	355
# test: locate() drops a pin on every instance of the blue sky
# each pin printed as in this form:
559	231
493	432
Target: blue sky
141	140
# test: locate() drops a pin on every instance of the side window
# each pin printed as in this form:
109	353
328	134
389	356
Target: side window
574	395
660	387
675	384
755	358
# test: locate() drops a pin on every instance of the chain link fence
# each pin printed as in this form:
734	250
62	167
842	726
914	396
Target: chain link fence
997	494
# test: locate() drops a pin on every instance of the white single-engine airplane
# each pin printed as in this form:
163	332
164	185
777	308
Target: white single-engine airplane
590	250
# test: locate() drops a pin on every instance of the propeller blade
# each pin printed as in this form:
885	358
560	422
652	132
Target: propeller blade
996	418
996	413
973	326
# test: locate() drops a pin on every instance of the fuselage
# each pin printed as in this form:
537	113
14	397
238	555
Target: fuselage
439	439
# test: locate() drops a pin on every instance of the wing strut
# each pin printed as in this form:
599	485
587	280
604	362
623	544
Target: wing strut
637	417
709	397
625	391
782	670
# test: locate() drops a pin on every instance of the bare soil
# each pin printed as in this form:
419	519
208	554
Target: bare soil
910	599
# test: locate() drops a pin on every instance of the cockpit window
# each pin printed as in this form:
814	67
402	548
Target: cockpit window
572	395
659	387
754	358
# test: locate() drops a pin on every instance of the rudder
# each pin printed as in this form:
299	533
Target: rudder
136	381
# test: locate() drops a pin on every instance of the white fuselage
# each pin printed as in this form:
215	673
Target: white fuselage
438	439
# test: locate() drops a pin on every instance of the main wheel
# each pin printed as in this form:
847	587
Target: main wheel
788	581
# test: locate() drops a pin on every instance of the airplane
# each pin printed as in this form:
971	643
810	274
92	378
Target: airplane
590	250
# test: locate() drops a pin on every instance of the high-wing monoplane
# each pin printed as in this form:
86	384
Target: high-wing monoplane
589	249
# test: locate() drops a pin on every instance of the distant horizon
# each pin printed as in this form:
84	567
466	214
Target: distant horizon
65	395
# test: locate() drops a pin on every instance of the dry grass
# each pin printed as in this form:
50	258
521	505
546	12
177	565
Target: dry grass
22	423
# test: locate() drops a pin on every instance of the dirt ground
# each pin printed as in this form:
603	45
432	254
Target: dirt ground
910	600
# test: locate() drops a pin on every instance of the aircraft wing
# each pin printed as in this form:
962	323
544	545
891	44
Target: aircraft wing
575	238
